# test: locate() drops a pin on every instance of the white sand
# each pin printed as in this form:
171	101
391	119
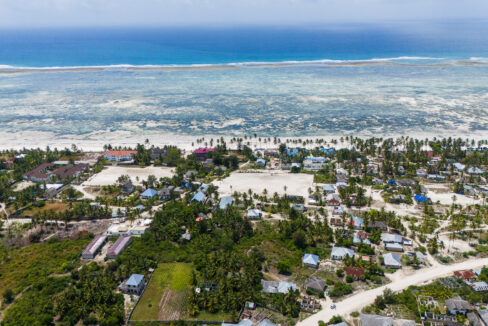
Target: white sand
110	174
95	141
272	181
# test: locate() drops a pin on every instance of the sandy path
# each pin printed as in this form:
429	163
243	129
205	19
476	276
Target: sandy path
362	299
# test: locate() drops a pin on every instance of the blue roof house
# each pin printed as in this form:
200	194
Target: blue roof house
226	201
199	197
134	285
420	199
149	193
311	260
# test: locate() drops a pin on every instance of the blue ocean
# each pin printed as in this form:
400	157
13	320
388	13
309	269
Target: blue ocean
402	78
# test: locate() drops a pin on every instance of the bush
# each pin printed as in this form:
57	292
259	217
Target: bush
8	296
355	314
349	279
283	267
340	273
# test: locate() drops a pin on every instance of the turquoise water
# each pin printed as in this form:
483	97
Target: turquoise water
352	80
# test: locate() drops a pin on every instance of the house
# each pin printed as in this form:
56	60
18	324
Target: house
357	223
332	199
69	171
243	322
39	174
341	184
459	166
394	247
339	253
483	313
299	207
466	275
158	153
186	236
392	260
199	197
311	260
226	201
338	210
134	285
420	257
336	221
119	156
149	193
356	240
479	286
314	163
377	182
116	249
381	225
341	172
165	193
375	320
91	250
202	152
316	284
405	322
391	238
277	287
355	272
436	177
420	199
422	173
328	189
127	187
475	171
457	305
254	214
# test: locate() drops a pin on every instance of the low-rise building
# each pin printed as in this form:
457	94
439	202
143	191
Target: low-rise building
339	253
119	156
311	260
134	285
94	246
277	287
392	261
116	249
457	305
316	284
254	214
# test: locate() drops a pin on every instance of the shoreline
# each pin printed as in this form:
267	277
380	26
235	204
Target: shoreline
8	70
94	142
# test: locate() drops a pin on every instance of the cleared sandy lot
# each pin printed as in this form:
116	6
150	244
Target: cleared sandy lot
110	174
442	193
272	181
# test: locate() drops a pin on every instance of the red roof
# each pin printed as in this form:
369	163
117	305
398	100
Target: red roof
204	150
355	272
120	153
465	274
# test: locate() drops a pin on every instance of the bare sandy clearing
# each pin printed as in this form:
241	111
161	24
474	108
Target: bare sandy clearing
110	174
272	181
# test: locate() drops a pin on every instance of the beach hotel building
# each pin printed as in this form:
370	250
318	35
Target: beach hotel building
119	156
91	250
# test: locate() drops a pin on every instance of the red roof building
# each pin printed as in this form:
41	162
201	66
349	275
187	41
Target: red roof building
355	272
465	275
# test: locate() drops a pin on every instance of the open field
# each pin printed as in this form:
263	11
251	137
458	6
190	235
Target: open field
56	207
165	296
272	181
110	174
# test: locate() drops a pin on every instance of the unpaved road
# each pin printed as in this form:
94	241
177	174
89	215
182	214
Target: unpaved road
362	299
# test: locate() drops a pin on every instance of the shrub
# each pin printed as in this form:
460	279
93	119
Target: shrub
8	296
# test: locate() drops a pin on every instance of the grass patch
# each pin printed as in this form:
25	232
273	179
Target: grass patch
175	277
56	207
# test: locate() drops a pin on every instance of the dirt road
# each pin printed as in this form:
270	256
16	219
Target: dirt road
362	299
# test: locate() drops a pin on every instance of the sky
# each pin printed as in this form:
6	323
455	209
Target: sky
92	13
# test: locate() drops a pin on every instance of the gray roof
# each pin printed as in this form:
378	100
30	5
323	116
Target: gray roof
457	304
388	237
225	202
266	322
375	320
277	287
392	260
483	315
316	283
342	252
340	324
